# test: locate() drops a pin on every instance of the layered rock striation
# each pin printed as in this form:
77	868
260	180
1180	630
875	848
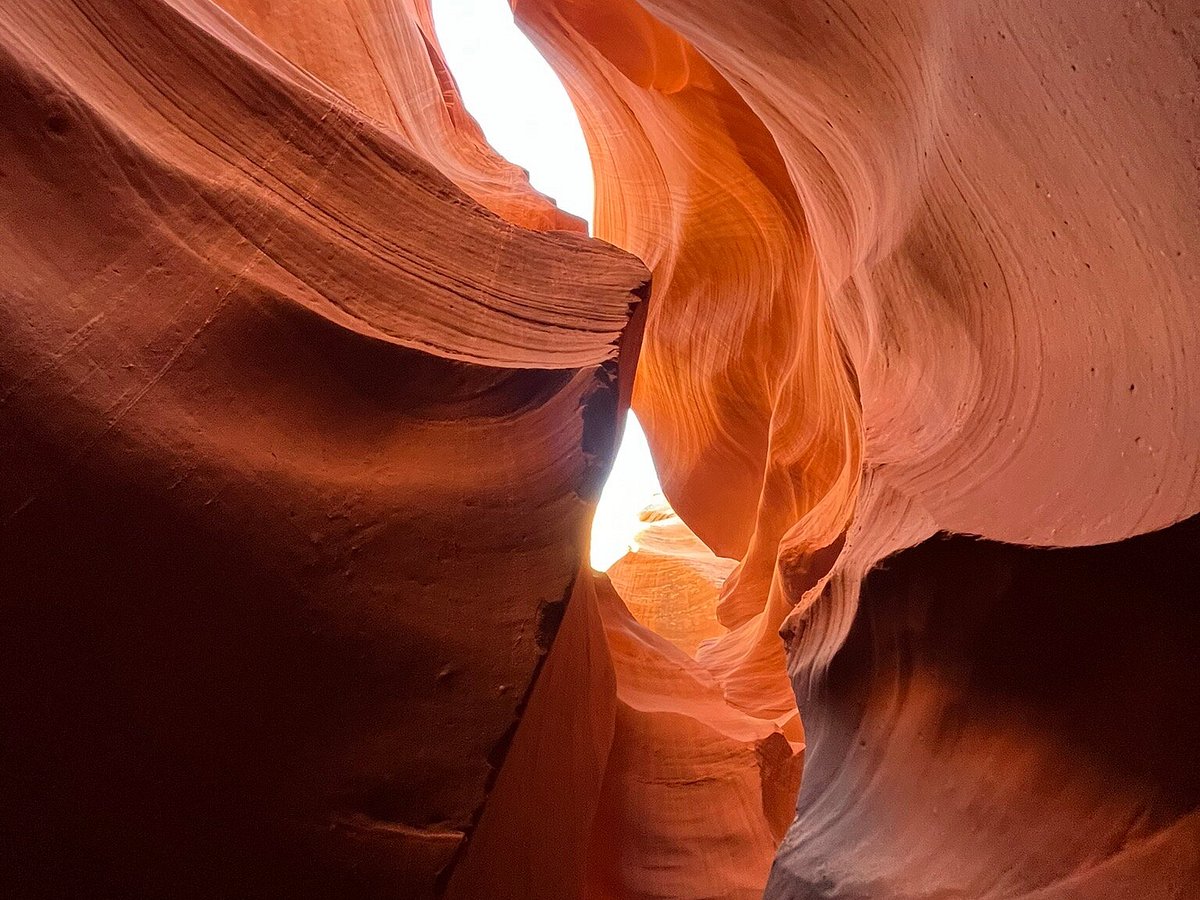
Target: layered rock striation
924	269
300	446
306	398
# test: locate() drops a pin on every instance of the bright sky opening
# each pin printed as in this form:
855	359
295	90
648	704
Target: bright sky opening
527	117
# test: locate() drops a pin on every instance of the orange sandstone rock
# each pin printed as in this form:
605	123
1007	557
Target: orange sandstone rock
306	397
671	581
920	267
300	445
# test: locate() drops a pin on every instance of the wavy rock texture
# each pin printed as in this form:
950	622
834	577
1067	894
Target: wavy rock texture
919	267
300	445
671	581
306	397
1028	737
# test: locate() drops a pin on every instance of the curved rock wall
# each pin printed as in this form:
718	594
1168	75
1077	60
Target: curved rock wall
300	446
918	267
1006	721
306	397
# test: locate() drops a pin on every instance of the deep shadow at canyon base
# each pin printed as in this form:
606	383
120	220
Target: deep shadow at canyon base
1005	707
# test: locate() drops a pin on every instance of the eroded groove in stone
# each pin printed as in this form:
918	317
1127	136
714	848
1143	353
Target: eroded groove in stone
917	269
305	397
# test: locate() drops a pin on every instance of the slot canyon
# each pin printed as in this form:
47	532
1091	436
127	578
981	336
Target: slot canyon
307	398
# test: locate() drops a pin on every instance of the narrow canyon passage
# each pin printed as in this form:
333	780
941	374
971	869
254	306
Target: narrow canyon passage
526	115
680	743
323	575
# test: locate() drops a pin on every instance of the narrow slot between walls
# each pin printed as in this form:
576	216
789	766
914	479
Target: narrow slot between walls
527	117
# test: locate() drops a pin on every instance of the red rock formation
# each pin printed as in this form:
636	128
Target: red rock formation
916	268
306	397
1008	722
299	449
671	582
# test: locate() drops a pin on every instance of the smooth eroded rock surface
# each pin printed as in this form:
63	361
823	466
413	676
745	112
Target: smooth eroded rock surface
306	398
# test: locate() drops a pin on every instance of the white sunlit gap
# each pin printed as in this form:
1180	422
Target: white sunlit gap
527	117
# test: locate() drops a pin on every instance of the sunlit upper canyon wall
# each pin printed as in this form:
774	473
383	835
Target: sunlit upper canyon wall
306	399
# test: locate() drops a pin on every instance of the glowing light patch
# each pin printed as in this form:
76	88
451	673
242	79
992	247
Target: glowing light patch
526	116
